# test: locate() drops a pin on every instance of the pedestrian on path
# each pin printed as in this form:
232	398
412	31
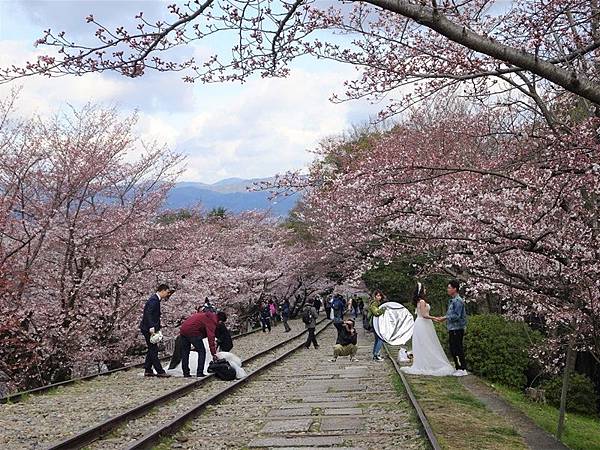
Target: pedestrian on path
309	317
375	310
285	314
456	321
150	327
317	304
273	312
339	308
346	343
208	306
327	306
265	317
355	307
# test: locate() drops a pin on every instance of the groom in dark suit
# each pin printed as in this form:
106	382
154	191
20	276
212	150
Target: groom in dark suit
151	324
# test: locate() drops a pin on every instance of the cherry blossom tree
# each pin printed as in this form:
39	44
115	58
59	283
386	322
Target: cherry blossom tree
84	238
515	213
525	53
76	235
241	260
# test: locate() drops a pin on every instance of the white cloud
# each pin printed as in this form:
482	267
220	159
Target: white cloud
256	129
40	95
265	127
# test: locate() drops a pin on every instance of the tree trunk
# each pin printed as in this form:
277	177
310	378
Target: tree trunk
569	364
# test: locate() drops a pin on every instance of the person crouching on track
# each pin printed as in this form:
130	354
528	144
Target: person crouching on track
345	344
193	330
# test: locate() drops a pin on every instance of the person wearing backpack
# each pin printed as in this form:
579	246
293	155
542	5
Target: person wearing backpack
339	306
309	317
285	314
375	310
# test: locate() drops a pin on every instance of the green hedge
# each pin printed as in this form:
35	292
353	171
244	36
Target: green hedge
496	349
581	396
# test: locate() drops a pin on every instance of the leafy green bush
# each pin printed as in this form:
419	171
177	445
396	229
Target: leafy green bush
398	280
496	349
581	397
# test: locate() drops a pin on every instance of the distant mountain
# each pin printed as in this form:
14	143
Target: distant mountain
231	193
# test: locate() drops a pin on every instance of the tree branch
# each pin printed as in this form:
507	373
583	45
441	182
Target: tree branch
460	34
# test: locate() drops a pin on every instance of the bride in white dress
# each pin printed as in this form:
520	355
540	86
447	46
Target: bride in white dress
428	356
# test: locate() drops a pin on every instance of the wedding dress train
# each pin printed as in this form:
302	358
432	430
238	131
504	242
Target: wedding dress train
234	361
428	356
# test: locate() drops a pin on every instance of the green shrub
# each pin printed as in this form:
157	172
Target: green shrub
496	348
581	397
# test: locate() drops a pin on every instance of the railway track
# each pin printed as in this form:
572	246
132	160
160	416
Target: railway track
181	416
424	422
298	400
164	430
18	396
166	407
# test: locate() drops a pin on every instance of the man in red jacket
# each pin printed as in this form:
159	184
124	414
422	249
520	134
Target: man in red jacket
193	330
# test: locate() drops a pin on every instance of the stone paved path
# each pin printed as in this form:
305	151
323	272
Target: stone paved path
307	401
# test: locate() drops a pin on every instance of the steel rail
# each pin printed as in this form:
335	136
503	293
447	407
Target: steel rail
98	431
429	434
146	442
18	396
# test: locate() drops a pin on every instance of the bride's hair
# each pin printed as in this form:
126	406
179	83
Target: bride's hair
419	293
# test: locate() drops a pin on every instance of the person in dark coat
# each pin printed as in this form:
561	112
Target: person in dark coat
327	306
285	314
317	304
311	325
224	339
149	325
346	343
265	317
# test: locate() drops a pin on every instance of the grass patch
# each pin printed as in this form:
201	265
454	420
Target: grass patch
165	444
458	419
466	399
581	432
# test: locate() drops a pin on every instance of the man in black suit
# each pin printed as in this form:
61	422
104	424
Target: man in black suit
151	324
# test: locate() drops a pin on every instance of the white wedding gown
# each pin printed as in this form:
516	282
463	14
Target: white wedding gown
234	361
428	356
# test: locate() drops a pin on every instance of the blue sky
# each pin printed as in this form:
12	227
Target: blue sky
257	129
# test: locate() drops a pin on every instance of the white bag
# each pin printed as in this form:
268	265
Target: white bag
403	356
